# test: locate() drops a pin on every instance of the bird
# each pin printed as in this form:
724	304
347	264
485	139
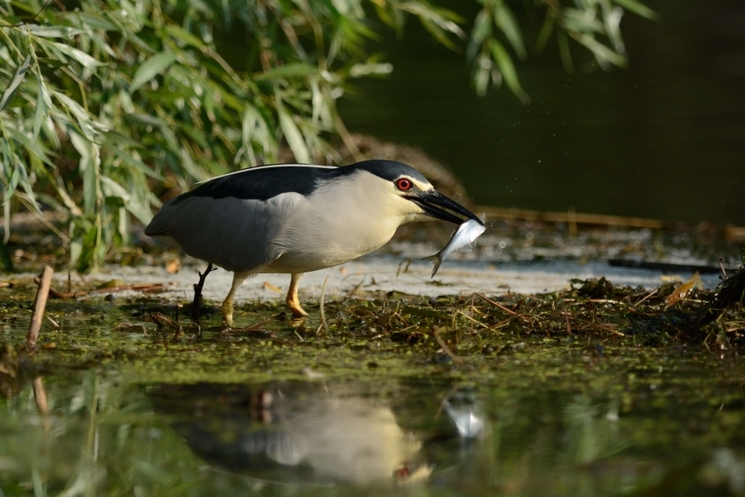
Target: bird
297	218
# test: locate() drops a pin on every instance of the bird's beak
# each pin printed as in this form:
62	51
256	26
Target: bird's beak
437	205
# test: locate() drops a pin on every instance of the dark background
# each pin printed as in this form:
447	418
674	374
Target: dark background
664	138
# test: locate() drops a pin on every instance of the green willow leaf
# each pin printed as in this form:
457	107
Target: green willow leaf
601	51
93	21
8	185
15	81
89	165
481	79
545	34
179	33
565	51
33	147
581	21
111	188
481	31
133	204
438	33
294	137
437	21
505	20
370	69
40	113
481	26
85	60
638	8
150	68
384	15
87	257
288	71
507	68
612	20
53	31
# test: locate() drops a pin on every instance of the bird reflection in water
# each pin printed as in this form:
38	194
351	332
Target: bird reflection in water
294	433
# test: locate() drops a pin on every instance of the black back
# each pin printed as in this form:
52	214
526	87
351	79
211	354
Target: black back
263	183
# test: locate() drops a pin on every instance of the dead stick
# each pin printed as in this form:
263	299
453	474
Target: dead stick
39	305
255	326
472	320
645	298
498	306
324	324
457	360
721	266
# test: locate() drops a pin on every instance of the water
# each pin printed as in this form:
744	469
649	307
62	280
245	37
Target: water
662	139
572	420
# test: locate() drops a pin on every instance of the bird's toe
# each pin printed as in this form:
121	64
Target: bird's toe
297	311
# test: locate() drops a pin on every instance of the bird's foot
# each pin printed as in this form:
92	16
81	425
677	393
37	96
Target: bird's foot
297	311
227	315
198	291
293	302
297	323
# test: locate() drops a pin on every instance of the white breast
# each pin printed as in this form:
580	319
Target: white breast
338	224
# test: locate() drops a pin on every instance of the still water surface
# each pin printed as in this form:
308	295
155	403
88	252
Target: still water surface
546	419
664	138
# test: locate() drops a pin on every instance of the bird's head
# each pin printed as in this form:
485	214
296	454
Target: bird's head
409	194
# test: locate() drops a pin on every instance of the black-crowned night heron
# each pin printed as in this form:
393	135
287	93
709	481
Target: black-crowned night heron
297	218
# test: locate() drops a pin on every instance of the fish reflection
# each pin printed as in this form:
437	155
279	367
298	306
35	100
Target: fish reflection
465	413
293	432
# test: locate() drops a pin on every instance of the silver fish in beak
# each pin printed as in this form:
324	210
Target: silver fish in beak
466	233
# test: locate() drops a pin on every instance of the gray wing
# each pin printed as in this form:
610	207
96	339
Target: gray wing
236	234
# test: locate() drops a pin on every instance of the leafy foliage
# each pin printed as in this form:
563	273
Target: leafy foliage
594	24
107	106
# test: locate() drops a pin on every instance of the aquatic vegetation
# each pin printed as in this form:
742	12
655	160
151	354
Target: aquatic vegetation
401	334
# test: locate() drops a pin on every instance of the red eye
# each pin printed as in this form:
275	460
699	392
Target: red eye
403	184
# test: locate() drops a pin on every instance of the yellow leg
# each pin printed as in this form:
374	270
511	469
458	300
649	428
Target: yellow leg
292	301
227	305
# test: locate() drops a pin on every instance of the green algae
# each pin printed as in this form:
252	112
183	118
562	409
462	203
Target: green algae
402	336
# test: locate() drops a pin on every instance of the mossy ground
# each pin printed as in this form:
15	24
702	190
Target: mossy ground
399	335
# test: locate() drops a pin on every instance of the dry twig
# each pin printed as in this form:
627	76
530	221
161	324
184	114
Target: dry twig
322	303
457	360
495	304
39	305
